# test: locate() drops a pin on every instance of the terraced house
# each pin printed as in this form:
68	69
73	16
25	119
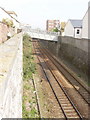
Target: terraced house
79	28
73	28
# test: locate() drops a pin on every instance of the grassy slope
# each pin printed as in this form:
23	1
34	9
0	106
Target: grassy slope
29	99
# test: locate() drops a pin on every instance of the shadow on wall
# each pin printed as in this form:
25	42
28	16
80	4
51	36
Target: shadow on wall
73	52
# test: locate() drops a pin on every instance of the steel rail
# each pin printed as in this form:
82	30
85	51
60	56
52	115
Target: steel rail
51	87
80	116
88	102
64	91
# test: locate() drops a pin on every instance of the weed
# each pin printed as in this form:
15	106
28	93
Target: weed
29	68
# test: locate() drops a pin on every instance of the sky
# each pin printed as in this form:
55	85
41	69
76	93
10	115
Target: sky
36	12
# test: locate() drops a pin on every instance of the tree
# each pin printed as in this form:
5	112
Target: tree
55	30
8	22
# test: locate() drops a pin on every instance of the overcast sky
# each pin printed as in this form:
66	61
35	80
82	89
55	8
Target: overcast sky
36	12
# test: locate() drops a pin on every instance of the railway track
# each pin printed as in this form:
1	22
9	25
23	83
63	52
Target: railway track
84	92
68	108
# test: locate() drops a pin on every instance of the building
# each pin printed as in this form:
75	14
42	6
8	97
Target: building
10	15
3	32
14	19
79	28
73	28
86	24
63	24
51	24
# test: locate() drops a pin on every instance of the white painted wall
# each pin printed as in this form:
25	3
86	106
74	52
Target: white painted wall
42	36
69	30
14	21
85	26
16	24
89	20
80	32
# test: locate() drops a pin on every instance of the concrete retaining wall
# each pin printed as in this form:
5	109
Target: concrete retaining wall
72	50
11	78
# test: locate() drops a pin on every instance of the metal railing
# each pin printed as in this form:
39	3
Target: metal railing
41	34
39	31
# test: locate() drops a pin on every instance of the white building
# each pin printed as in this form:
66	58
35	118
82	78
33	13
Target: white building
73	28
86	24
10	15
89	20
14	18
79	28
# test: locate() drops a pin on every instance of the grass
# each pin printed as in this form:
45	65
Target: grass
29	104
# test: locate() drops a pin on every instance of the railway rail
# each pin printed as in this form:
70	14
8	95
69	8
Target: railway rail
84	92
68	108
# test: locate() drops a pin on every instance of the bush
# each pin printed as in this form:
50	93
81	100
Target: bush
26	37
8	22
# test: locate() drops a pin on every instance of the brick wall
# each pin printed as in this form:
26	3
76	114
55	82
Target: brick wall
3	32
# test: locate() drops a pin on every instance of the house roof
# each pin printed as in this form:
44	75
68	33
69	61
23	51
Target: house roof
9	14
76	23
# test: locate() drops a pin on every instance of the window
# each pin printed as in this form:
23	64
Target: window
78	31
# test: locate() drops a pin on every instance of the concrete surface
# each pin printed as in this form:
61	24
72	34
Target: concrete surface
11	78
72	51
